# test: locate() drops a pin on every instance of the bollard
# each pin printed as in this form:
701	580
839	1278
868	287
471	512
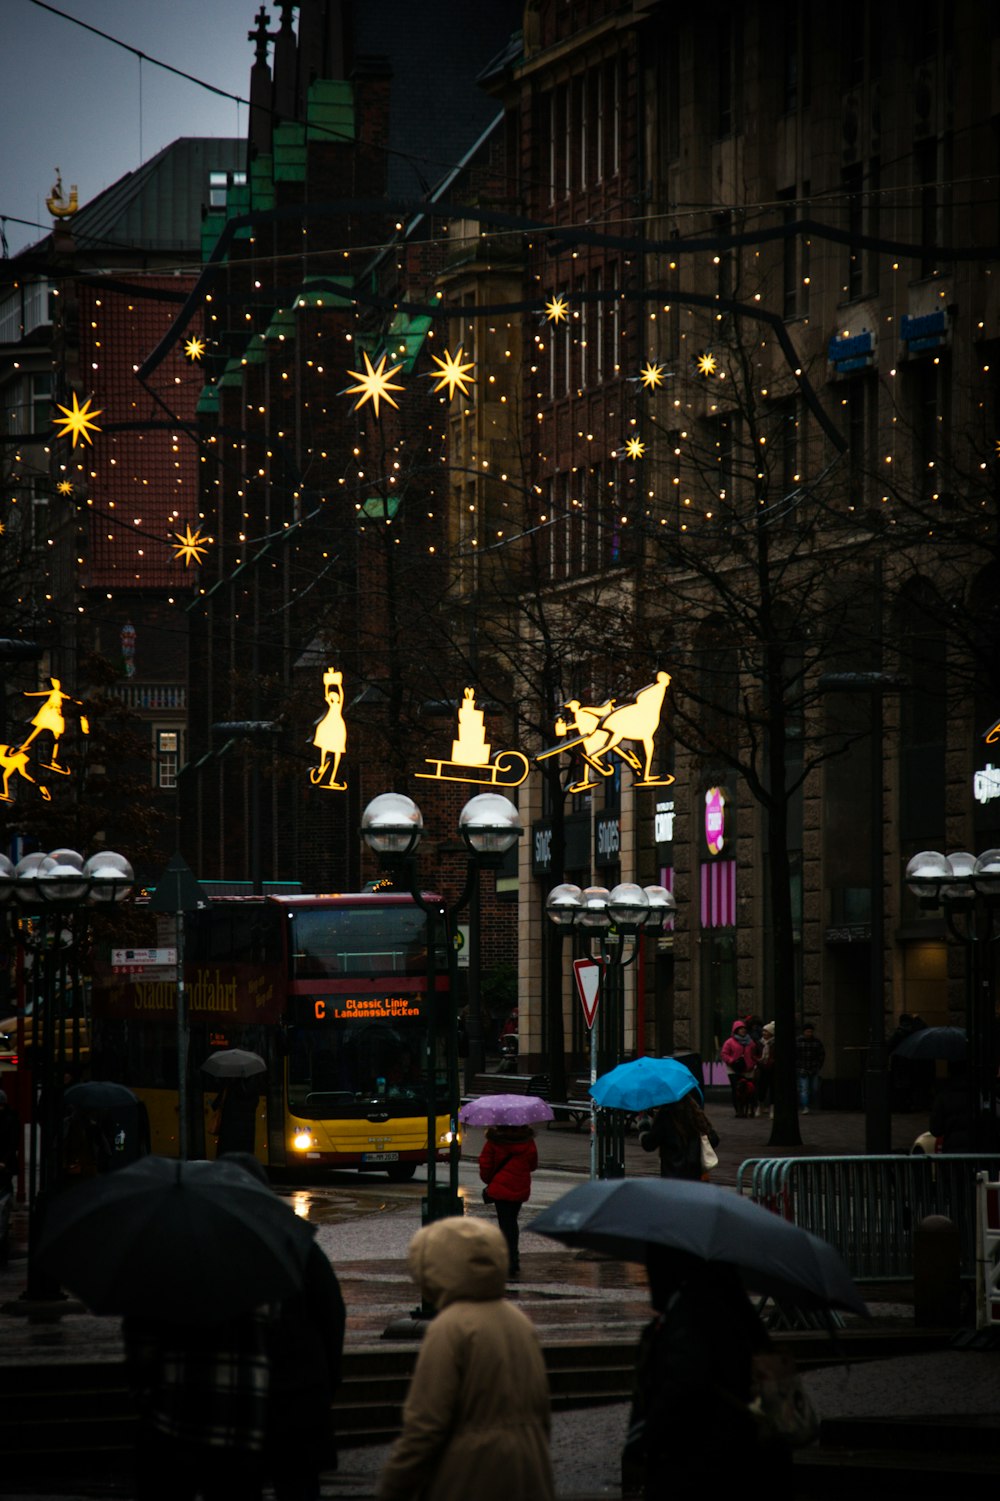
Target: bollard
937	1283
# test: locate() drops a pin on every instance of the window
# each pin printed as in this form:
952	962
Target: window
168	750
219	184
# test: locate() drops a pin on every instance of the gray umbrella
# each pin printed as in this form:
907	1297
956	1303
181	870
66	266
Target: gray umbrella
624	1216
234	1063
198	1242
934	1042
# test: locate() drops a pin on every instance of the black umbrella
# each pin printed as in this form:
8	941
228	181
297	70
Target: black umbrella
934	1042
193	1241
99	1094
624	1216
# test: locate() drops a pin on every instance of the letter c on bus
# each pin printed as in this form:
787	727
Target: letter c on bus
320	1009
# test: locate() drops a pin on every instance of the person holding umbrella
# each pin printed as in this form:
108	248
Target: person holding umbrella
676	1130
508	1158
235	1106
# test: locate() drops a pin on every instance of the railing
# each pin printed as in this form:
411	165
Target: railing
868	1207
169	696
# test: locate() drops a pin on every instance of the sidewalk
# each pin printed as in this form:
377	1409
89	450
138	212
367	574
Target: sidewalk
572	1297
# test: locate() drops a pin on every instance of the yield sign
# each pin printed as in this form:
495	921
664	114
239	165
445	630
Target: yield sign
588	983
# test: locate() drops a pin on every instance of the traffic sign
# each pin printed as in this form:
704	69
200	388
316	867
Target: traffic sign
587	973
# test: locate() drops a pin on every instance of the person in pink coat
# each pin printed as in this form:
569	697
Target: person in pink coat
739	1054
506	1163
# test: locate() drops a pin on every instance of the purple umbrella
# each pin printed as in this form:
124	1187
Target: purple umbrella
505	1110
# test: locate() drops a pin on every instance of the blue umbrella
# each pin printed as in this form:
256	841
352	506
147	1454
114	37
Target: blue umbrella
643	1084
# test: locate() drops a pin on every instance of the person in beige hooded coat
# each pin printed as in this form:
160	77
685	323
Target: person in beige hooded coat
476	1420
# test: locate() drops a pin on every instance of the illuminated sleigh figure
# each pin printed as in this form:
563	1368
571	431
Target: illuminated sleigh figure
470	754
604	728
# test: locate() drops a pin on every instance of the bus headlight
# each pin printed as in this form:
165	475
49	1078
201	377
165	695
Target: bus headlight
447	1137
302	1141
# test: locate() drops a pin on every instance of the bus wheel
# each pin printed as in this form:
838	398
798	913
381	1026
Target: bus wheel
401	1172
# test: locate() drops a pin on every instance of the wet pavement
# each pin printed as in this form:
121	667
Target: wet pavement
365	1224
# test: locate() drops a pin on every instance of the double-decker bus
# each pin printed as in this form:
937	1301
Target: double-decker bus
332	992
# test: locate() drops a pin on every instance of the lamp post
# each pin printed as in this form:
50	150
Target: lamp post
392	826
54	891
617	919
966	888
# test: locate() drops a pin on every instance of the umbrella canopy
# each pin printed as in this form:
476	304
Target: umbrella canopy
198	1242
643	1084
934	1042
234	1063
99	1094
624	1216
505	1110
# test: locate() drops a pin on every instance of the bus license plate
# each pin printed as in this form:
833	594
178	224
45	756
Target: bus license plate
380	1157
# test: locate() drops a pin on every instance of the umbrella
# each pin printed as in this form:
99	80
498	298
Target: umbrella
624	1216
234	1063
505	1110
934	1042
191	1241
643	1084
99	1094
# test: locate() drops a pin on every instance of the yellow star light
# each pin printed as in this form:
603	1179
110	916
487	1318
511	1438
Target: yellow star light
635	448
452	373
194	348
3	528
707	364
374	384
652	375
77	421
998	448
557	311
65	487
192	545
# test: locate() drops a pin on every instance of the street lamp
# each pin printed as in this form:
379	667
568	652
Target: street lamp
616	918
392	826
490	825
966	888
54	890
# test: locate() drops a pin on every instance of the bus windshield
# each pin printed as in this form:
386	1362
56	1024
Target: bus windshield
350	1070
346	943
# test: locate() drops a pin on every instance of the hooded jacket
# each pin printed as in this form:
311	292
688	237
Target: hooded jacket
734	1050
507	1161
476	1419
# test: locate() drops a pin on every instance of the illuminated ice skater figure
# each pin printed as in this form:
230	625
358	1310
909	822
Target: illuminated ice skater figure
330	735
603	728
15	759
50	717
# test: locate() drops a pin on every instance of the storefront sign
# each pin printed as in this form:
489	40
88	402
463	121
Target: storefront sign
715	820
986	783
607	840
664	822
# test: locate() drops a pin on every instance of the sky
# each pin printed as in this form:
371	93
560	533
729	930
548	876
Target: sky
70	99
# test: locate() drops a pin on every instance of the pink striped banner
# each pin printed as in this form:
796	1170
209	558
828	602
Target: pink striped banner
718	894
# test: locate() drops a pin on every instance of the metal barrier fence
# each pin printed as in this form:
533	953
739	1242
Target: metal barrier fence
868	1207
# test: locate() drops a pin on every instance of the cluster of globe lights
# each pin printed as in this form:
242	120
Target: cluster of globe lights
628	907
955	878
392	824
64	878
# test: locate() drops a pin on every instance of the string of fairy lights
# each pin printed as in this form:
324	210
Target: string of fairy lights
561	319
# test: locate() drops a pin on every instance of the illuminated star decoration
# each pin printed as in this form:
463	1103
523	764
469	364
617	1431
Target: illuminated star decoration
557	311
192	545
3	528
65	487
707	363
635	448
374	384
452	373
77	421
194	348
652	375
998	448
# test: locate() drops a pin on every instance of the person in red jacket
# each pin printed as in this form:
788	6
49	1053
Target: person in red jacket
506	1163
